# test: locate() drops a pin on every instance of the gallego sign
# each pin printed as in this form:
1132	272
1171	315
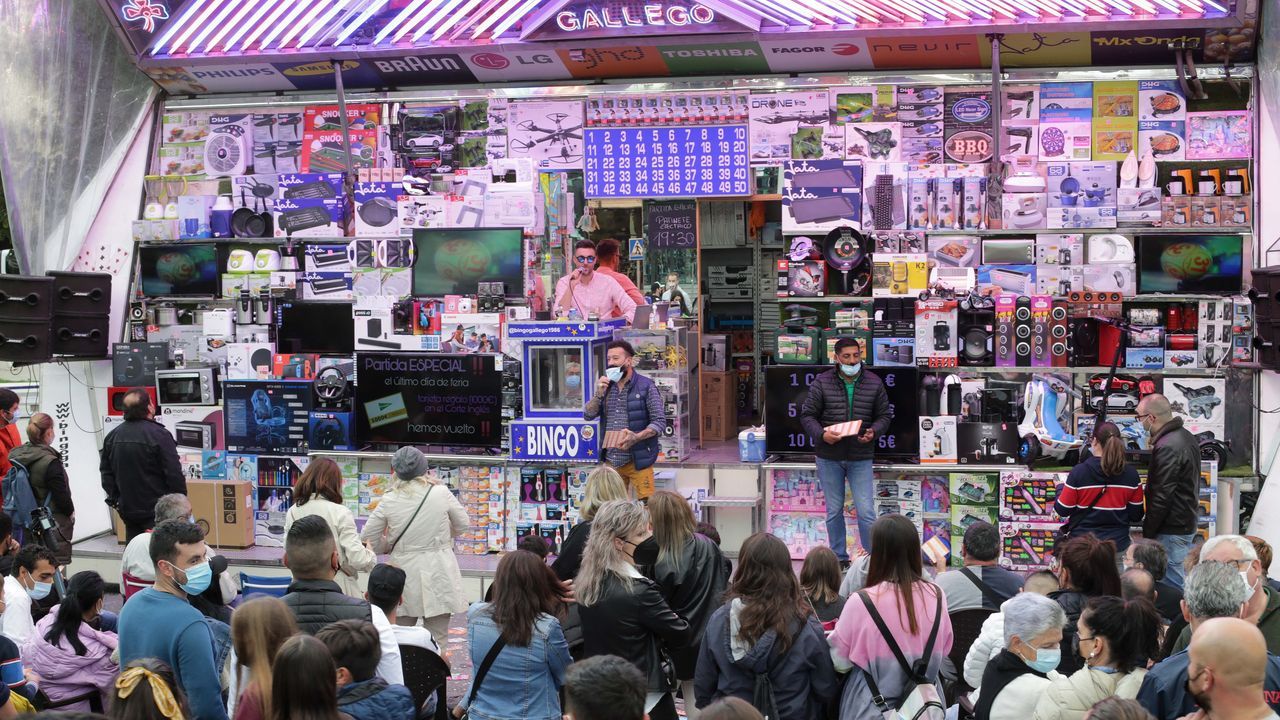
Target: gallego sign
555	441
583	19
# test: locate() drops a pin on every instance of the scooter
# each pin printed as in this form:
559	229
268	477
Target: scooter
1044	404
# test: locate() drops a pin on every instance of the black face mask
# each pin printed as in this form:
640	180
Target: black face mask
644	553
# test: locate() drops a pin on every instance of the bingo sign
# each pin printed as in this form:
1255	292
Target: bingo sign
667	162
555	441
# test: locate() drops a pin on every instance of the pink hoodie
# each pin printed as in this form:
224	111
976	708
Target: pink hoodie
65	674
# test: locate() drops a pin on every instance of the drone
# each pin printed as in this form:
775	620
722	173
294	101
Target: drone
561	137
879	143
814	119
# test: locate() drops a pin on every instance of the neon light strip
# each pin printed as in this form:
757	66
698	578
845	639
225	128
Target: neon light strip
785	8
210	26
248	6
260	29
322	23
839	13
193	27
316	7
395	22
244	27
483	11
294	11
420	17
869	13
360	21
451	20
175	26
510	18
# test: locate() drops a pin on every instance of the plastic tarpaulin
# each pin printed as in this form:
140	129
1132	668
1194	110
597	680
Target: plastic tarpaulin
72	102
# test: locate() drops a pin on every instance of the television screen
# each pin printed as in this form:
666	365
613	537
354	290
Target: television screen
315	327
428	399
169	270
266	415
455	262
1190	263
786	387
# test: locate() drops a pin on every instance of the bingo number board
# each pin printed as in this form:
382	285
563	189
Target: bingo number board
667	162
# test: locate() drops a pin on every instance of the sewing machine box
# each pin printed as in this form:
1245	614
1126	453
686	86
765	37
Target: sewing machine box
1028	546
224	510
1029	496
938	440
980	443
937	334
899	274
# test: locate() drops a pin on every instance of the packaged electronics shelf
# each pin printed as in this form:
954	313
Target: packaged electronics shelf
1135	230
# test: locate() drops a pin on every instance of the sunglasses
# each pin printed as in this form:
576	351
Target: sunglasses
586	259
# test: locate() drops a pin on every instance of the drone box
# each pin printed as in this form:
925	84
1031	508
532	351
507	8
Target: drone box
1197	400
987	443
937	335
938	440
224	510
330	431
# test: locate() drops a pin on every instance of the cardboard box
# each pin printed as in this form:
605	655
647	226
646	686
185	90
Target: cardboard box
224	510
719	405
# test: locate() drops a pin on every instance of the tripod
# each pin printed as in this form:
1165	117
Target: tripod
45	531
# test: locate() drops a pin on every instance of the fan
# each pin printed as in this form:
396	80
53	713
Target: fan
224	152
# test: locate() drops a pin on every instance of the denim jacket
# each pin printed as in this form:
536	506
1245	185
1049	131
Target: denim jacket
524	682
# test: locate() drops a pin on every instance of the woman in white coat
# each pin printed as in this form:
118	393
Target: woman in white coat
415	523
1024	668
319	492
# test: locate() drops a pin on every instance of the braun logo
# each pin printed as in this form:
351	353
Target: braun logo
910	47
417	65
725	52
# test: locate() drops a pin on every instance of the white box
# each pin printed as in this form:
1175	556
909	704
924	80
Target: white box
938	440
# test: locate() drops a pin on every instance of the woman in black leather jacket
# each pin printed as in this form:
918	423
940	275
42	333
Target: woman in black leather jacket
691	574
1088	570
623	612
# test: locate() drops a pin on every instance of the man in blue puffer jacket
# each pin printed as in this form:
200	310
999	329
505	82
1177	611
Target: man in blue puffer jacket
630	406
356	649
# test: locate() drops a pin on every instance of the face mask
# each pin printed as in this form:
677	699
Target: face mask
1244	575
573	381
851	370
198	579
646	552
40	591
1046	659
614	374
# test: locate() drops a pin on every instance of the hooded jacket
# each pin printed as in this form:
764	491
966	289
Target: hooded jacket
65	674
47	475
804	679
1070	697
374	699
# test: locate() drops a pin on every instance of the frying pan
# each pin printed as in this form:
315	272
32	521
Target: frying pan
241	217
258	225
843	249
378	212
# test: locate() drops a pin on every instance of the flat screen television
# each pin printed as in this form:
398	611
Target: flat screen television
178	270
456	261
1190	263
428	399
325	328
266	415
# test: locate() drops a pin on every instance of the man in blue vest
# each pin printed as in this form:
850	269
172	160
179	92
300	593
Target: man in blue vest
631	418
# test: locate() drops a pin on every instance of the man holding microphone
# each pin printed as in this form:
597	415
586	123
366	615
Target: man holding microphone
631	418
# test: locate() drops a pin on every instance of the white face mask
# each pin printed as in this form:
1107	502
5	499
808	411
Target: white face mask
1244	575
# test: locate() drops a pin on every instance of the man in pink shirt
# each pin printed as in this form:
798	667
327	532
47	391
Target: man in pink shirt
592	293
607	264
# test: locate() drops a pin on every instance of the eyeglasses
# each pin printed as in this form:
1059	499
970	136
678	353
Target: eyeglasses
1142	417
586	259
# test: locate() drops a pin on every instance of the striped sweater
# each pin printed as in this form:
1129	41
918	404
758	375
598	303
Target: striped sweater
1119	502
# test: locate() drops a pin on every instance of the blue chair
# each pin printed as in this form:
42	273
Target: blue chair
251	585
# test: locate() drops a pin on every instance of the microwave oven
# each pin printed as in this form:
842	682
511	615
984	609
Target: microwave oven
187	386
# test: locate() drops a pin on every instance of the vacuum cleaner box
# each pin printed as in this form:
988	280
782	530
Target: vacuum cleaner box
938	440
224	510
937	334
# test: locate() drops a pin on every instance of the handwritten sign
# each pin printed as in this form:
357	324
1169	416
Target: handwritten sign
671	224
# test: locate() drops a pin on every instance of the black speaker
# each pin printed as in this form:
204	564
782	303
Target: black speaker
1265	293
976	338
1040	311
26	342
1058	330
1022	331
1082	342
26	298
80	293
80	336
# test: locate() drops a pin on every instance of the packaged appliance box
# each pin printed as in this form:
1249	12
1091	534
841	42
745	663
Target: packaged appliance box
224	510
719	405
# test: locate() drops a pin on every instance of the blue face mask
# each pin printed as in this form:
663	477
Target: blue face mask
614	374
198	579
851	370
40	591
573	381
1046	659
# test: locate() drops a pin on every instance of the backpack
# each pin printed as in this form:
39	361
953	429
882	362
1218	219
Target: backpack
762	697
19	498
919	699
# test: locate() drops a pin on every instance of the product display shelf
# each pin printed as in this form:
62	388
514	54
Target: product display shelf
1087	370
1122	230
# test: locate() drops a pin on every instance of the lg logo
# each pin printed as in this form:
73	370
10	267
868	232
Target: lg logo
845	49
490	61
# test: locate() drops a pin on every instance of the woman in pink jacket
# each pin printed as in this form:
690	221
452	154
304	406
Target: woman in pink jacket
71	657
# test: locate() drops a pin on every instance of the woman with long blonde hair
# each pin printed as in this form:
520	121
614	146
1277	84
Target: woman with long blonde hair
258	628
603	484
623	612
691	574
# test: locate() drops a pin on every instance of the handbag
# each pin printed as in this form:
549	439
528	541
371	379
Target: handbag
667	667
482	671
411	519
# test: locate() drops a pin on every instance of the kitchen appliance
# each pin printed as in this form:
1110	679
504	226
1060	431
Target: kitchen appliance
187	386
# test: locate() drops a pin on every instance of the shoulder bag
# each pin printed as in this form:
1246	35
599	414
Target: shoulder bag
482	671
987	592
1064	534
413	517
919	699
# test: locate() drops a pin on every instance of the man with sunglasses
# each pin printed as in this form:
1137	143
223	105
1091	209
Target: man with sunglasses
1173	503
590	292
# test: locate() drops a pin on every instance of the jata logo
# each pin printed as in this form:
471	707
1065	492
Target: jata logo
846	49
490	61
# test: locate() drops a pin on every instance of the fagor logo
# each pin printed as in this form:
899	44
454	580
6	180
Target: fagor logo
846	49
